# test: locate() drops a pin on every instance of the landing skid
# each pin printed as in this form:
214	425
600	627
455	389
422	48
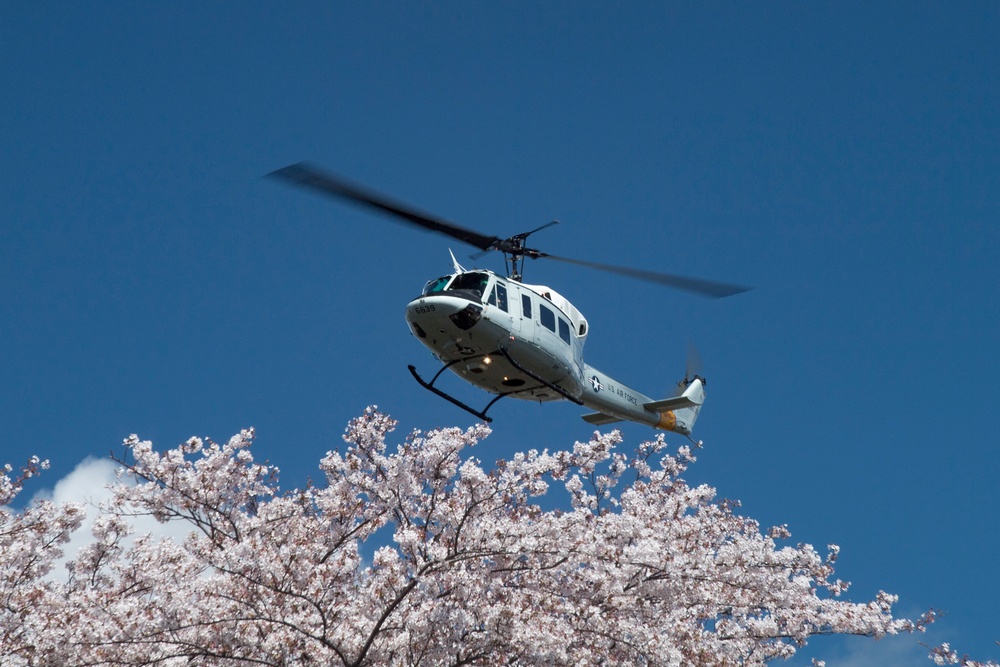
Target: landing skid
481	414
448	397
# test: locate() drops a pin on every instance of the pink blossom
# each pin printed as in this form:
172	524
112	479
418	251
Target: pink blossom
414	553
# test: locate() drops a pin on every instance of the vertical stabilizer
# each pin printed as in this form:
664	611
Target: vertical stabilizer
681	419
686	417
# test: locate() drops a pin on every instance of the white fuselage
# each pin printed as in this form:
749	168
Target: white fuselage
466	319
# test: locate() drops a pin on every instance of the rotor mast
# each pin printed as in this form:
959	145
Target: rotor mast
514	252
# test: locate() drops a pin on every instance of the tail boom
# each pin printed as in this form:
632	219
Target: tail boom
615	402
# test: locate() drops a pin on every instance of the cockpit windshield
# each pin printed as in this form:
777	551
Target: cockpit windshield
470	282
473	282
434	286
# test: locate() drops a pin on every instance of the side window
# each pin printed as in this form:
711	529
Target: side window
564	329
526	305
501	297
547	317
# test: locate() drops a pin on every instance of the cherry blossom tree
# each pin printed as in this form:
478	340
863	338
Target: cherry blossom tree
30	543
417	554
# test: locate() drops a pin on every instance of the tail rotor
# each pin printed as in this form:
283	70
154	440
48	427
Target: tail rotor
692	369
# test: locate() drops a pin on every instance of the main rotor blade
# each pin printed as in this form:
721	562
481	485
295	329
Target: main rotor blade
707	288
309	176
525	235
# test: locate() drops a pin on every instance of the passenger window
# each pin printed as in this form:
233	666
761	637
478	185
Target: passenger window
564	329
526	305
547	317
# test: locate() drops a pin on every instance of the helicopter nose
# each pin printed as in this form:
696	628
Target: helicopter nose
436	311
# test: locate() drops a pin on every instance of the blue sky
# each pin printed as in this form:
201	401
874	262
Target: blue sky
842	158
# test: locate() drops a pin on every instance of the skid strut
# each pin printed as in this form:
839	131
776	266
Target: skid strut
554	387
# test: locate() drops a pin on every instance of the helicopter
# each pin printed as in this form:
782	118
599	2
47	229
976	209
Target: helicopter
515	339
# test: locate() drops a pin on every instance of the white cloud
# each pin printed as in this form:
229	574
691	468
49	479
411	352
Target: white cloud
87	484
902	650
894	651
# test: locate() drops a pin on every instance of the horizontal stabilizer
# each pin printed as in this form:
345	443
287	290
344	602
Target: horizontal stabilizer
675	403
600	419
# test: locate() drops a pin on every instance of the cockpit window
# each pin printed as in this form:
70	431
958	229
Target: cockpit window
436	285
473	282
498	297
